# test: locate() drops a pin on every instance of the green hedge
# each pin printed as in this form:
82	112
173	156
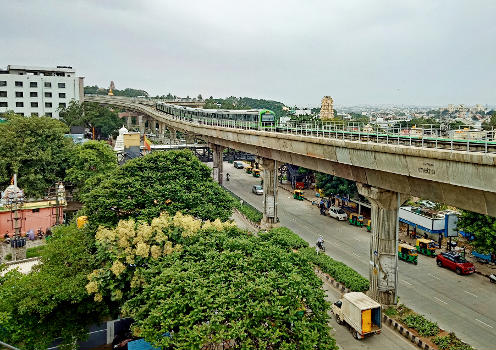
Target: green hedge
339	271
451	342
252	213
422	325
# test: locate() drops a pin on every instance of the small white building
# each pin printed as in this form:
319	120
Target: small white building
39	90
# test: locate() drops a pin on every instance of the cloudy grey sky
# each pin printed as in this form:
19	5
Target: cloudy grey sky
418	52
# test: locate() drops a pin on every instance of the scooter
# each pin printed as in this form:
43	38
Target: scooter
492	278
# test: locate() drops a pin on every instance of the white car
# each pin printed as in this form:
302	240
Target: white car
257	189
337	213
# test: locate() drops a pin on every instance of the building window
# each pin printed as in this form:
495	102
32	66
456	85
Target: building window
34	104
48	94
3	93
62	105
3	83
48	104
19	94
19	104
18	83
33	94
3	104
62	95
33	84
49	114
36	210
48	84
61	85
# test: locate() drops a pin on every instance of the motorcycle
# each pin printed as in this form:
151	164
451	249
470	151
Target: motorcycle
320	246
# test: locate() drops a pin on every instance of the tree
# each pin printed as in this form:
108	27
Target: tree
105	120
332	185
163	181
51	302
35	148
210	283
199	98
483	227
91	159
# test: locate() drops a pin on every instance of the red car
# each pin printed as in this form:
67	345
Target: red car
455	262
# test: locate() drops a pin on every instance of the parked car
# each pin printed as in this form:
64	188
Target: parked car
455	262
492	278
238	164
257	189
337	213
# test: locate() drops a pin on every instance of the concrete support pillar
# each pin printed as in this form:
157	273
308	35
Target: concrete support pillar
172	135
190	138
217	173
141	124
129	122
270	193
153	126
383	267
162	131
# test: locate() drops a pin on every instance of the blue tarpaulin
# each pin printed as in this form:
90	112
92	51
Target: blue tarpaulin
140	344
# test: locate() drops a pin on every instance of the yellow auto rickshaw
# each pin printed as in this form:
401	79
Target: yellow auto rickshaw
256	172
426	247
407	253
249	169
356	219
298	194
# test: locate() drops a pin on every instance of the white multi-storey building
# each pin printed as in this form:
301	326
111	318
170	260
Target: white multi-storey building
39	90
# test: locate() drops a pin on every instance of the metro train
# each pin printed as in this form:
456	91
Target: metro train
253	117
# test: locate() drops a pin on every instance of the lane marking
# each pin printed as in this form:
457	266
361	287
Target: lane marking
434	276
442	301
484	323
472	294
407	282
355	254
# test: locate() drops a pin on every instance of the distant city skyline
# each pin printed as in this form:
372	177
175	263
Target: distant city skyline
415	53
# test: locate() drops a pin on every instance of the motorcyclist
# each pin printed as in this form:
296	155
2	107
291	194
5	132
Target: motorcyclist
227	176
320	242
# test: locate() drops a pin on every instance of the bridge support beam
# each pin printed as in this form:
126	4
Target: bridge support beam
129	122
269	219
172	136
141	124
217	168
383	267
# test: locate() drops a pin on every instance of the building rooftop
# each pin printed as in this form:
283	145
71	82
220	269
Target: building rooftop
15	69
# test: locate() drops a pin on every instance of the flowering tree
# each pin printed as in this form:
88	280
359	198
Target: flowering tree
163	181
193	284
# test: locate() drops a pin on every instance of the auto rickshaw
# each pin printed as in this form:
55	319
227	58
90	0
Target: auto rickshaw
249	169
426	247
369	226
407	253
256	172
298	194
356	219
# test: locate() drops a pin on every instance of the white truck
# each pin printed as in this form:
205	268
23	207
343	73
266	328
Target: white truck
360	313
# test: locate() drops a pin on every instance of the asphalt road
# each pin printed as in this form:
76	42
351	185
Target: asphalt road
463	304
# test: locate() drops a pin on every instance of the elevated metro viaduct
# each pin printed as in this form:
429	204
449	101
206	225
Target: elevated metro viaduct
385	173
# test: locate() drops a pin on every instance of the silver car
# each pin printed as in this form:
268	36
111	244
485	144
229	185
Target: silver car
257	189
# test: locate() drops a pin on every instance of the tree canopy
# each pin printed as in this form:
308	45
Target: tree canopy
89	160
52	301
209	283
162	181
483	227
332	185
104	119
35	148
127	92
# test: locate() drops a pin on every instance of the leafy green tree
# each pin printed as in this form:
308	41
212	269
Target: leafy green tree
93	158
483	227
491	124
210	283
332	185
104	119
127	92
35	148
199	97
51	302
162	181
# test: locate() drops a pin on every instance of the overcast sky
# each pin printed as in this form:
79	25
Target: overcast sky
418	52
